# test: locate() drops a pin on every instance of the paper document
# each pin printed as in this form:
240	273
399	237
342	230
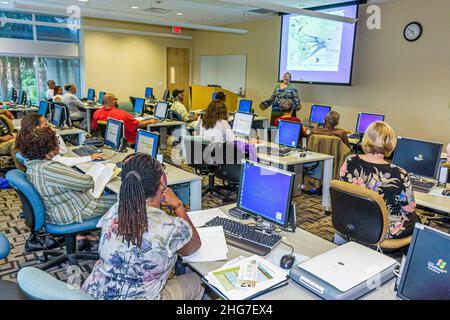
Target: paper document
102	175
199	218
214	246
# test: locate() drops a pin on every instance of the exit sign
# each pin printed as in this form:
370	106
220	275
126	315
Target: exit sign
176	29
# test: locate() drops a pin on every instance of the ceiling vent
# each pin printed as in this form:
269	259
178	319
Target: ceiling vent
157	10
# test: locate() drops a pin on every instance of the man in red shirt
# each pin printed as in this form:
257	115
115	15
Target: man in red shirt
110	110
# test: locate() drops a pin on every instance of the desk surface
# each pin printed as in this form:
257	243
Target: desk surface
166	124
304	243
433	202
174	174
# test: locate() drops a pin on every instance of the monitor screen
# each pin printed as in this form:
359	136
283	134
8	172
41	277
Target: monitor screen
147	142
148	92
161	110
91	94
22	98
214	96
57	119
13	96
289	133
139	105
418	157
43	108
318	114
242	123
366	119
100	97
266	192
114	133
166	95
426	274
245	106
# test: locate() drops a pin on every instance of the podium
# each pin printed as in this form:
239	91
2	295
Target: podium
201	97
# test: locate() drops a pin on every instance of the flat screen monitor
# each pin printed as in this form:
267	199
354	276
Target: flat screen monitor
114	133
90	94
418	157
58	115
43	108
214	96
161	110
266	192
318	114
245	106
426	273
289	133
148	93
366	119
242	124
22	98
13	95
147	142
139	106
166	95
100	97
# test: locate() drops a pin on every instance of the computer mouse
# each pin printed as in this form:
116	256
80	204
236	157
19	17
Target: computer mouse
446	193
287	261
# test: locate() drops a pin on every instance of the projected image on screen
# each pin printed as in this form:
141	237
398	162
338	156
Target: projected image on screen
318	50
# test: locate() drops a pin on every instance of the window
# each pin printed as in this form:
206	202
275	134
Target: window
16	30
56	34
18	73
62	71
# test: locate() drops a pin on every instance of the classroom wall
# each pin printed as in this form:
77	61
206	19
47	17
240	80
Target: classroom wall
125	64
409	82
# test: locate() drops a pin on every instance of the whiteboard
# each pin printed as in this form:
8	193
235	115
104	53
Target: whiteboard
227	71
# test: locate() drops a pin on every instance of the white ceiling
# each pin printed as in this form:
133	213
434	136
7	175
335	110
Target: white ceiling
204	12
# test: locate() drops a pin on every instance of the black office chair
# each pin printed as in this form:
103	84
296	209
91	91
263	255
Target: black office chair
361	215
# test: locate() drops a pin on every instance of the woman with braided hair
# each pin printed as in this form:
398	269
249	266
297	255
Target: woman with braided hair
140	242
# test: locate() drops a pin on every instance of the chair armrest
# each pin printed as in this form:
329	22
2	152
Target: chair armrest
4	246
39	285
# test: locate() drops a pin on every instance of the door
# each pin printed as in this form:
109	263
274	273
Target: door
178	70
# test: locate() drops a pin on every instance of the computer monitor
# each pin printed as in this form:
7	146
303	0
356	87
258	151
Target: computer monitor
418	157
148	93
266	192
22	98
114	133
289	133
147	142
100	97
166	95
139	106
242	124
59	115
90	94
426	273
245	106
318	114
366	119
214	96
161	110
13	95
44	109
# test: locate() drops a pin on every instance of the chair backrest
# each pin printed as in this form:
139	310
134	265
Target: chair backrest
201	154
4	246
21	158
359	213
33	207
8	122
234	153
172	114
330	145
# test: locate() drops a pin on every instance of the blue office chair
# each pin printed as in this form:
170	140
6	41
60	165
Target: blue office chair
4	246
21	158
34	215
39	285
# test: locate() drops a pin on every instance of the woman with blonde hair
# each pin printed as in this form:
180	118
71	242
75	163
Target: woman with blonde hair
371	170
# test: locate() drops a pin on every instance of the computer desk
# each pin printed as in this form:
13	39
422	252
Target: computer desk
429	201
174	176
162	128
24	109
304	243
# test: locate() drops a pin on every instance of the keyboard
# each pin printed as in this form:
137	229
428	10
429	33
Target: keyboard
143	118
276	152
86	151
245	237
422	185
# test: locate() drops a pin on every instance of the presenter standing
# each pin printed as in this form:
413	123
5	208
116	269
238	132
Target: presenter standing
283	91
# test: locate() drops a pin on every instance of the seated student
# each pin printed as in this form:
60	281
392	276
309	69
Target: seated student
214	125
178	106
50	93
111	109
73	103
58	94
371	170
221	96
65	192
329	128
34	121
139	242
7	139
287	108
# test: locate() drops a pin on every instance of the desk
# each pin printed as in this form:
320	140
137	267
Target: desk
174	176
90	109
429	201
304	243
24	109
162	127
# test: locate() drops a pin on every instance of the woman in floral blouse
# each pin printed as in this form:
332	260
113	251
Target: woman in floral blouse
372	171
283	91
140	242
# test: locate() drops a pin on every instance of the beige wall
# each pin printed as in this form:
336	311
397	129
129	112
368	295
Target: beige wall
410	83
125	64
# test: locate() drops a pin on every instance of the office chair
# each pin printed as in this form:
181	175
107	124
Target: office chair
361	215
34	216
7	161
173	115
8	289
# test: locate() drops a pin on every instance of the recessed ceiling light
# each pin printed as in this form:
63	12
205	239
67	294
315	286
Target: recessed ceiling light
83	0
134	7
180	13
4	2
